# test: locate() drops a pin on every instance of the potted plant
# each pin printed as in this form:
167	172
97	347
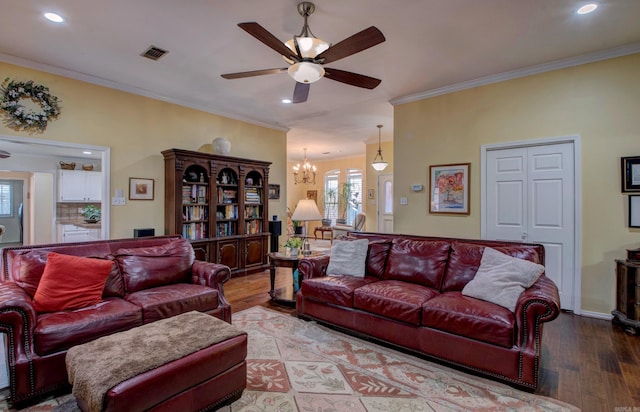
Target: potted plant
92	214
328	199
294	244
344	200
297	227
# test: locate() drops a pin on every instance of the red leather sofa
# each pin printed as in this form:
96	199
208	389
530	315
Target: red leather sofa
423	310
150	279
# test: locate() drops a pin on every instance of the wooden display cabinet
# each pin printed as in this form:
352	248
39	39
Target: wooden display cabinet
627	310
220	204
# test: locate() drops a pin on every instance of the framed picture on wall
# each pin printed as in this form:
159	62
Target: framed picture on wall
449	189
634	211
140	188
274	191
313	195
630	174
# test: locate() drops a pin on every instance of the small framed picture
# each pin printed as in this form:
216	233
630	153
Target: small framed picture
313	195
449	189
630	174
274	191
634	211
140	188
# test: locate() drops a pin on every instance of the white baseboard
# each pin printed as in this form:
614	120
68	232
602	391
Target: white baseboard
596	315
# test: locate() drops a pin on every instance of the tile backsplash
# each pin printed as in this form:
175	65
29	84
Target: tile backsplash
71	211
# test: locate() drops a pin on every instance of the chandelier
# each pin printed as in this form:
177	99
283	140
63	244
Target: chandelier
306	173
378	162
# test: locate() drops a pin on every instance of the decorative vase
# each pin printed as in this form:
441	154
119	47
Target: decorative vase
221	146
294	252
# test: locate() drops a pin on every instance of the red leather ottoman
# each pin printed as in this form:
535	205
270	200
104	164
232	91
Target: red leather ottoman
203	379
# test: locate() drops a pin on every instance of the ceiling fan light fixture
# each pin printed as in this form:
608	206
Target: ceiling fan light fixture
310	47
306	72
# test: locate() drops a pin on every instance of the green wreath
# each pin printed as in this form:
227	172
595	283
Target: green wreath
20	117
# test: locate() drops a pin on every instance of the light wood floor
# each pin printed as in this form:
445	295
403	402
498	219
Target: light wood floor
589	363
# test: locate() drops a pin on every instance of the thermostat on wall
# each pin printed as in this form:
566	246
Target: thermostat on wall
416	188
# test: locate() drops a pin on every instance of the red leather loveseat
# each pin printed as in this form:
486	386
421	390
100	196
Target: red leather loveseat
411	296
149	279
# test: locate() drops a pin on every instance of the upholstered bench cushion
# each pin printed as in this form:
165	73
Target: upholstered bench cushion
96	367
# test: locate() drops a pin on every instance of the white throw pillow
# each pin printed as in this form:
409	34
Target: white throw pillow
501	278
348	257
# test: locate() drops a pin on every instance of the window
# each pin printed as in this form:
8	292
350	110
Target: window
6	199
354	205
331	179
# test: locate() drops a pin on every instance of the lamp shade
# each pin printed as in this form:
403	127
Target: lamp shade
306	210
306	72
379	165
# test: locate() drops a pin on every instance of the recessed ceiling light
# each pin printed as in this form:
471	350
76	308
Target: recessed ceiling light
286	101
86	152
587	8
56	18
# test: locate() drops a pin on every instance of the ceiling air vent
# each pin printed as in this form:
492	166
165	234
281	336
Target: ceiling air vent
154	53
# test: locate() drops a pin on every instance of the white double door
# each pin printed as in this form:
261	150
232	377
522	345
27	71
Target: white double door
530	197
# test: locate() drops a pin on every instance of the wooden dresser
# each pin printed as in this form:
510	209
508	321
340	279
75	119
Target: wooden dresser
627	310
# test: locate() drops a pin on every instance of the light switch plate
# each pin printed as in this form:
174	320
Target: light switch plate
404	201
117	201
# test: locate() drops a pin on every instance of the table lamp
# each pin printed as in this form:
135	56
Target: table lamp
306	210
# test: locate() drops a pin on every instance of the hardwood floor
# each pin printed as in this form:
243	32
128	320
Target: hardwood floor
589	363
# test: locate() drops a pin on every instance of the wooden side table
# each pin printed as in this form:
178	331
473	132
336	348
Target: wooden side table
627	310
322	230
287	295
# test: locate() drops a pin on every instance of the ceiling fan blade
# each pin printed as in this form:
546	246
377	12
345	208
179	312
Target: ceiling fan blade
301	92
352	45
252	73
354	79
267	38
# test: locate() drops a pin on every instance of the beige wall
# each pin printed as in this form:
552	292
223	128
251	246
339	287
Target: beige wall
600	102
137	129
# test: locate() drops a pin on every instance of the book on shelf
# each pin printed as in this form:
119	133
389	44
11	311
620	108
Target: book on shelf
227	196
194	231
253	226
226	229
195	212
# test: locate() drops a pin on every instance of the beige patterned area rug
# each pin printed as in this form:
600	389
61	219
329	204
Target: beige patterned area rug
294	365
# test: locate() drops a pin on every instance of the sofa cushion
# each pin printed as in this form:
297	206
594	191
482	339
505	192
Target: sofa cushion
27	268
148	267
377	256
348	257
393	299
114	287
59	331
166	301
70	282
455	313
337	290
501	278
417	261
465	260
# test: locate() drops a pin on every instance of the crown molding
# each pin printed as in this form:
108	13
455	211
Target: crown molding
526	71
19	61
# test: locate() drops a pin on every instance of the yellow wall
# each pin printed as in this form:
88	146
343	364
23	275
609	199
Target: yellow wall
599	101
137	129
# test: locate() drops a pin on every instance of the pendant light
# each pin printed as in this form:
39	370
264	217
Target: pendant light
378	162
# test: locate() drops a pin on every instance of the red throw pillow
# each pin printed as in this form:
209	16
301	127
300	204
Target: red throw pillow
70	282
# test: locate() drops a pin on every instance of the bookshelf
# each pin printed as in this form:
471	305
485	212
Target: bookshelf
219	203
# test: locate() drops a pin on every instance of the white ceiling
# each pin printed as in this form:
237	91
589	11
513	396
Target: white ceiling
431	44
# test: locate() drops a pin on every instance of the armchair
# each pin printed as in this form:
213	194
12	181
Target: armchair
358	226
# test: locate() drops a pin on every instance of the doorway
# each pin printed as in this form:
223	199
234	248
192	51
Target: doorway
531	193
385	203
37	162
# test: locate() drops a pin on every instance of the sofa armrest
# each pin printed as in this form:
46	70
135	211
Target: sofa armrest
210	274
536	305
17	320
313	267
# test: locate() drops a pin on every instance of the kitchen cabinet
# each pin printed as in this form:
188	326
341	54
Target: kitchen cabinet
68	233
79	186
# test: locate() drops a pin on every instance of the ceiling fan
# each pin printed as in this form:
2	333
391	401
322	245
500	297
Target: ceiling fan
307	55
